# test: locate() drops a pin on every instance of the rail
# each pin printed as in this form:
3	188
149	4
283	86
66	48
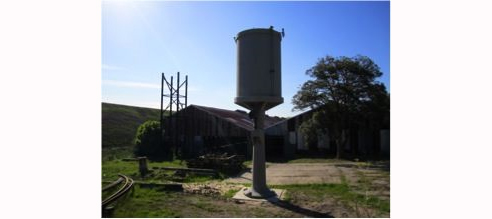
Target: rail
113	184
127	185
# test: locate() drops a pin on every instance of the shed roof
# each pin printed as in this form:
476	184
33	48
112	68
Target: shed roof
237	117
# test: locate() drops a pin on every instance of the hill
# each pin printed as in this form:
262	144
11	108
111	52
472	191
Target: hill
120	123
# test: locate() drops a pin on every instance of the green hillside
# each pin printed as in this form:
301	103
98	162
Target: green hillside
120	123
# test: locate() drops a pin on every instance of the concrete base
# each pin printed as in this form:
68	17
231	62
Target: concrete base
274	198
252	193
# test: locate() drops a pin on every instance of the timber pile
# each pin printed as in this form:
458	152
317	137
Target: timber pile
220	162
183	171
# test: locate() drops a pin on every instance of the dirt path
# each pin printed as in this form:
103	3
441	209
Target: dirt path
306	173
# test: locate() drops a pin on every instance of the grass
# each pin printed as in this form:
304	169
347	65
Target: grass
158	203
363	164
342	192
364	184
114	153
314	160
243	184
111	169
174	163
361	198
230	193
250	163
352	197
147	203
247	163
154	203
120	123
286	197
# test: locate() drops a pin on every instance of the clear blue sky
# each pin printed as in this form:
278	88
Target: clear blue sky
142	39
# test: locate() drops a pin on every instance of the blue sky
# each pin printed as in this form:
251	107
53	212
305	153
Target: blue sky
142	39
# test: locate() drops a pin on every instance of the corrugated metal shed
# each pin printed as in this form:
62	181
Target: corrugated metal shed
197	129
238	117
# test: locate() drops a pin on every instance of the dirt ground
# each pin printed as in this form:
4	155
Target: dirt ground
305	207
366	179
208	199
313	173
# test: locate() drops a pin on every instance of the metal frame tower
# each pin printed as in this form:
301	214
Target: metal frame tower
174	99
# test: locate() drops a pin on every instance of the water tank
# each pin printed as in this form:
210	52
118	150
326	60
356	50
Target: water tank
258	68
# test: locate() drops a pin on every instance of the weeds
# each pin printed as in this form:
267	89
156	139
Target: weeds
230	193
314	160
147	203
341	192
111	169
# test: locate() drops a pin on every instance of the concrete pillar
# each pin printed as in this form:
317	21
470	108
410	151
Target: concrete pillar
259	188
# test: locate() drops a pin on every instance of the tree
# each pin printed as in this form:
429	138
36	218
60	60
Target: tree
345	95
310	133
148	141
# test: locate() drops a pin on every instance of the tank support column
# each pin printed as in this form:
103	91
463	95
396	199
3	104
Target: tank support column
259	188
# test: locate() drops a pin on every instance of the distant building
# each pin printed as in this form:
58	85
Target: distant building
288	140
199	129
286	137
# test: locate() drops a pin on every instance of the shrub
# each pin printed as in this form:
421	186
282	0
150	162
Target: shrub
148	141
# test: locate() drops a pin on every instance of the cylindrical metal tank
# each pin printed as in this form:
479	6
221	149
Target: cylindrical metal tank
258	68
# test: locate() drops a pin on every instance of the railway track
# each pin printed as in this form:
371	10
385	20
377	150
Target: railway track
113	184
127	185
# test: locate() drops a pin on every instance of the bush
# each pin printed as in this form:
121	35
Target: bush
148	141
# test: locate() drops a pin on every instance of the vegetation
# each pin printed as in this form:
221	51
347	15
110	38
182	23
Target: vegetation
247	163
310	132
230	193
358	197
154	203
111	168
157	203
120	123
342	192
345	95
147	203
313	160
115	153
148	141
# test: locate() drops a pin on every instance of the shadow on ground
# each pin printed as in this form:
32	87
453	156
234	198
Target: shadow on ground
304	211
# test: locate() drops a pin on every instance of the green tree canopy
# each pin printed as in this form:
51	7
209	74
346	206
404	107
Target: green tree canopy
148	141
344	93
